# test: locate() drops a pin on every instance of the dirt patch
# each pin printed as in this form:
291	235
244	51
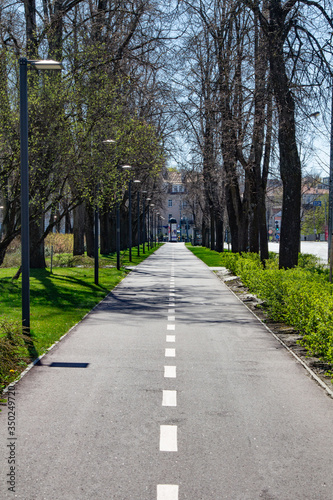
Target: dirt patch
287	334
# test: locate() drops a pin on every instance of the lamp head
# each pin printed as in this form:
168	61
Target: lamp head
46	64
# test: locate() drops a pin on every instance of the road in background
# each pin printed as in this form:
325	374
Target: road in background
169	390
318	248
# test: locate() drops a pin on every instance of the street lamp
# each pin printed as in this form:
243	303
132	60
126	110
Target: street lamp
137	181
157	226
144	221
96	234
96	265
128	167
152	244
1	222
111	141
148	228
330	200
25	250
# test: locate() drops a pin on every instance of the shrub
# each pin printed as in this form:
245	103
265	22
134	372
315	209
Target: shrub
62	243
13	353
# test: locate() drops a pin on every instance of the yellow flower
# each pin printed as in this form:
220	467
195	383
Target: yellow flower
12	371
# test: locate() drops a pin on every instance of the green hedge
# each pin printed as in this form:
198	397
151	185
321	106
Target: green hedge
13	351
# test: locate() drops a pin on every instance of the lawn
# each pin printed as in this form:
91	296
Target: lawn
209	257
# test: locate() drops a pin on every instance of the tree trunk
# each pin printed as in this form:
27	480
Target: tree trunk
89	230
219	233
290	165
203	233
37	254
107	236
78	229
212	230
124	230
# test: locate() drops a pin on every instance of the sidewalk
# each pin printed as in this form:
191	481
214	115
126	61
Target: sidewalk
170	389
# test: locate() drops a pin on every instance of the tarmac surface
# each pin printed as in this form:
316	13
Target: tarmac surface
170	389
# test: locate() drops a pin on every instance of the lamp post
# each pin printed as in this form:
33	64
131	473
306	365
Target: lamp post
107	141
144	221
128	167
1	222
157	226
330	197
25	250
152	244
148	228
96	235
137	181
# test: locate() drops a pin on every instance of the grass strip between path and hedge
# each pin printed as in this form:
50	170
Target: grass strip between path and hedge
58	300
301	297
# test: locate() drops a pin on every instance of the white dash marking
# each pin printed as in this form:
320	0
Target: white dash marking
171	294
171	304
171	311
169	398
170	353
167	491
171	338
171	318
170	372
168	438
171	327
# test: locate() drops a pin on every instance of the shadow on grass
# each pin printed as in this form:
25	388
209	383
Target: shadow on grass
78	292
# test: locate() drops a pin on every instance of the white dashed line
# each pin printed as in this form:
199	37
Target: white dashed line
170	372
167	491
170	353
171	318
171	327
170	338
171	311
168	438
169	398
171	303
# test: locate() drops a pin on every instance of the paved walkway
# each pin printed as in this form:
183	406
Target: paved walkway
169	390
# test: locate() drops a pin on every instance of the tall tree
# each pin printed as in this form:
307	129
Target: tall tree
282	25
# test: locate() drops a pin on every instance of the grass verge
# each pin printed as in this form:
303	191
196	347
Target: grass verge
58	301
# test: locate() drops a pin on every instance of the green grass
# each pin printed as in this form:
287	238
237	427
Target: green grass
60	299
209	257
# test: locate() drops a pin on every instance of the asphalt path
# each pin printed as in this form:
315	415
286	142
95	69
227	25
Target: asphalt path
170	389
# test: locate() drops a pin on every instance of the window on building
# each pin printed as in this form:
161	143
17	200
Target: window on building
170	203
